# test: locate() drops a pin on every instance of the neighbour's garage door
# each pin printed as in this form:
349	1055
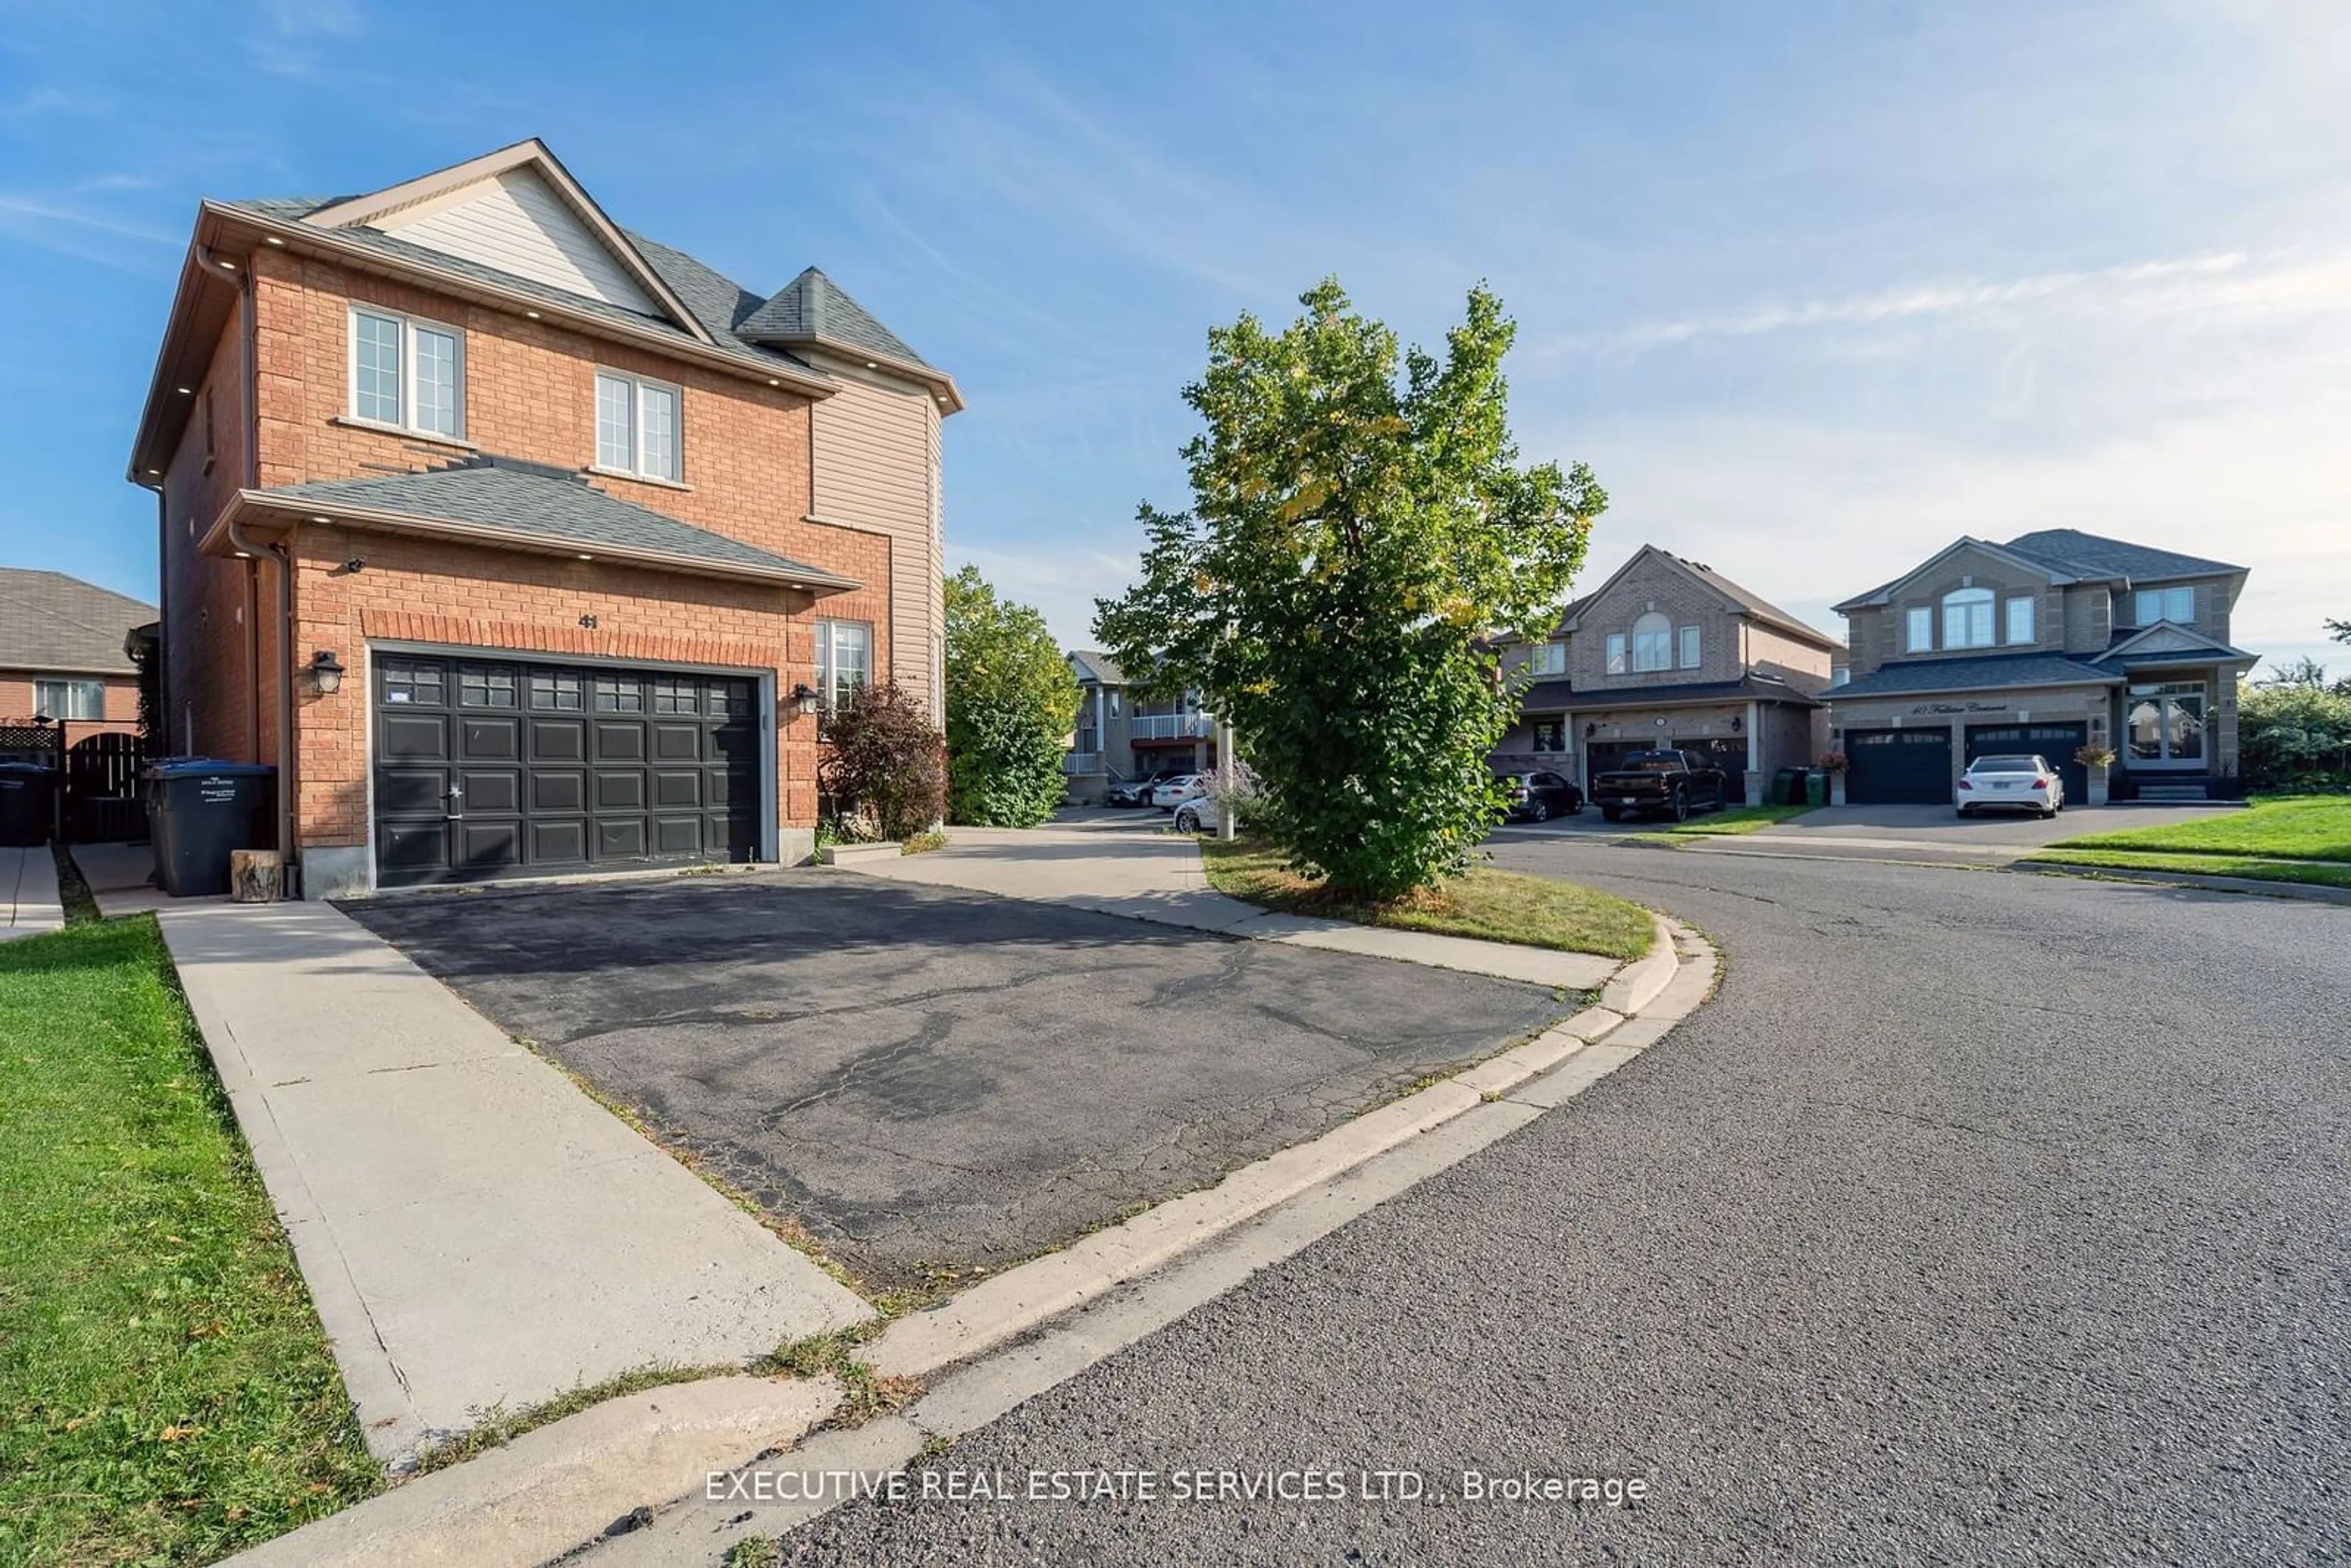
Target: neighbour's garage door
1899	767
1608	756
1731	756
2055	743
487	768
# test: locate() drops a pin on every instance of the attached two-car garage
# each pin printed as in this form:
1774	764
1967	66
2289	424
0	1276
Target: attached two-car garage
487	766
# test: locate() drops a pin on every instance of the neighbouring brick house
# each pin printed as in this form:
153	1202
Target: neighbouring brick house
520	543
1670	654
62	653
2055	640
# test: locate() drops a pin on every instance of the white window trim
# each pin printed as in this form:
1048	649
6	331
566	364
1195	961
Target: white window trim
1548	658
1912	643
635	468
1969	601
826	629
1689	647
1644	663
1620	658
2031	609
406	425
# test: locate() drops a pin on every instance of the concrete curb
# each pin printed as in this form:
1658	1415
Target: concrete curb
572	1480
1001	1309
2314	892
855	855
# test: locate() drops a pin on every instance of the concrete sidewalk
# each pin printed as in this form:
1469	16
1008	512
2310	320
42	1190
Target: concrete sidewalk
1159	877
28	893
475	1230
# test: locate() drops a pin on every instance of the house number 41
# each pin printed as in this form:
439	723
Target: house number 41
588	622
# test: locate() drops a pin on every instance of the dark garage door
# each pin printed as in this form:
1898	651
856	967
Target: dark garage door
1608	756
1899	767
489	767
1731	756
2056	743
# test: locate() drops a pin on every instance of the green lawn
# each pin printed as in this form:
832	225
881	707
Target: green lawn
2313	872
2287	827
1737	820
168	1395
1493	905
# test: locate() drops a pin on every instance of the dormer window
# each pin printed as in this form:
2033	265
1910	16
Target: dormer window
2177	605
1652	643
1967	618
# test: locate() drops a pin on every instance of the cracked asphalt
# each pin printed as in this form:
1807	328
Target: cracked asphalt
1982	1218
931	1081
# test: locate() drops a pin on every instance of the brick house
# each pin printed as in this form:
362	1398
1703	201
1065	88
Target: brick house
1670	654
62	653
2052	642
520	543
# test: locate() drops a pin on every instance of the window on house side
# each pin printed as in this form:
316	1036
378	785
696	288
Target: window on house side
1548	658
1921	630
1550	735
2019	621
2174	604
1615	652
1689	647
408	373
69	699
1967	618
845	658
639	429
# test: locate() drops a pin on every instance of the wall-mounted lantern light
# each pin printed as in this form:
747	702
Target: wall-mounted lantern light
1737	724
326	671
1589	730
805	696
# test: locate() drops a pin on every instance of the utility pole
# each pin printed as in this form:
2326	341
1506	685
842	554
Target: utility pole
1228	765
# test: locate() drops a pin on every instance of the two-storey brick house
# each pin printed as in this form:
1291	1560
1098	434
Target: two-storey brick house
1121	736
1670	654
521	544
2055	642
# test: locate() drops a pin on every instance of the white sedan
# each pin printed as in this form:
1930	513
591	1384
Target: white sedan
1179	792
2010	784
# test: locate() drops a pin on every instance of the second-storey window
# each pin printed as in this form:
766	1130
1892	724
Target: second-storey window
2173	604
2019	621
1548	658
1652	643
407	372
1689	647
845	658
1967	618
639	429
1615	652
69	699
1921	630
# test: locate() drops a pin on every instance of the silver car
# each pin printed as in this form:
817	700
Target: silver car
2010	784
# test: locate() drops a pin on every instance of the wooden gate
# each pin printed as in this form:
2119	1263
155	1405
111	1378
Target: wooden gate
104	794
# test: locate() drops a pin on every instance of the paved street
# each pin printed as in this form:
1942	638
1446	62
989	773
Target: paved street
931	1080
1982	1218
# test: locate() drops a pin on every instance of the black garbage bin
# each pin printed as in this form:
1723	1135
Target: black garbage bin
27	792
199	809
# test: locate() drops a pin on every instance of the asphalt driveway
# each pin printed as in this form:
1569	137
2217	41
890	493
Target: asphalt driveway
932	1080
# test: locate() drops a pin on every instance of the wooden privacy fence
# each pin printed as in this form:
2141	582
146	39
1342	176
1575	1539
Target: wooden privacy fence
102	795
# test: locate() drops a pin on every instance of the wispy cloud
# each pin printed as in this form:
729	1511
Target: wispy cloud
76	231
2221	281
288	44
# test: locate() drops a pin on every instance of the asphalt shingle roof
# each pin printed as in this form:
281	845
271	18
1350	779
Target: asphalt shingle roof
2092	555
1104	667
812	308
532	500
52	621
1758	607
1973	674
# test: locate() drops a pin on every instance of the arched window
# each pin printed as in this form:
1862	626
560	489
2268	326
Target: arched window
1652	643
1967	618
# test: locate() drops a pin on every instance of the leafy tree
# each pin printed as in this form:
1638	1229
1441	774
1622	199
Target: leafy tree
2295	732
1011	699
884	764
1354	537
2339	630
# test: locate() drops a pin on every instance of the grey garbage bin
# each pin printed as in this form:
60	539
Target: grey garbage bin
26	792
199	809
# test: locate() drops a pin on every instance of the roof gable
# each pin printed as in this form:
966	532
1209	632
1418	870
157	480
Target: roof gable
520	211
1093	664
2168	637
1732	597
2057	575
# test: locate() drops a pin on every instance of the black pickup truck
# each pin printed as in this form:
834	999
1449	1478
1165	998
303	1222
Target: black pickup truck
1668	783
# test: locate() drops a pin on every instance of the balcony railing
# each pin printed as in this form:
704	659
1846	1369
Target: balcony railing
1080	763
1170	725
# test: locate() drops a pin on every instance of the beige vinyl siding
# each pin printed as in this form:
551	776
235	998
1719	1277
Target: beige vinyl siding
875	466
518	223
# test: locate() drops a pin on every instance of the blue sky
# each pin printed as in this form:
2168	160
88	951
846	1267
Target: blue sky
1814	288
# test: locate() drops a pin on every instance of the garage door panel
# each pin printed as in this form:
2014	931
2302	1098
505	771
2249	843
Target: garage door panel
2053	743
559	768
558	740
414	736
1899	767
561	841
556	791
